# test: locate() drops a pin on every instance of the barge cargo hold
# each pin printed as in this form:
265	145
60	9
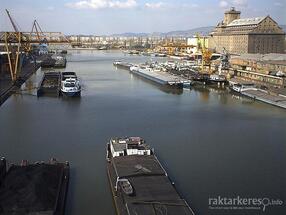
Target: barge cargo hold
159	77
50	84
39	188
139	183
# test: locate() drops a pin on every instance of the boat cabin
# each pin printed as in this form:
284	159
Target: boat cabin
129	146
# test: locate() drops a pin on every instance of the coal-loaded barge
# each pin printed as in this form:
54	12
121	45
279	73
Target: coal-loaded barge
50	84
59	83
160	77
39	188
139	183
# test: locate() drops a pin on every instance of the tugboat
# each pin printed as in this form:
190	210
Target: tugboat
70	85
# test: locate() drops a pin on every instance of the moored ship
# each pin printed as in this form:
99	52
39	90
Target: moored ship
70	85
139	183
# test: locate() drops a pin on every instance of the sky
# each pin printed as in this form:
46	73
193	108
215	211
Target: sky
105	17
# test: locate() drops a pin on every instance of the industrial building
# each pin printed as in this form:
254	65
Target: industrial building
249	35
267	69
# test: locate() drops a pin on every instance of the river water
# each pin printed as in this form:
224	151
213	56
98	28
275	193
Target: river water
212	142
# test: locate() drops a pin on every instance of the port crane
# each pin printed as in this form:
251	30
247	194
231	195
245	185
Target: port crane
206	53
224	59
15	43
38	33
18	42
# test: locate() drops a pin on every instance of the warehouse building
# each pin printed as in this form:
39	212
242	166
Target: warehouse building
249	35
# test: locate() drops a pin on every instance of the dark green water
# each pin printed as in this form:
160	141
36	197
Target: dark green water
211	142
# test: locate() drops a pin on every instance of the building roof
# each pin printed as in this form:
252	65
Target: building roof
262	57
246	21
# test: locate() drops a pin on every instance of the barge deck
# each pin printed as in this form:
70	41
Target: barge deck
39	188
162	78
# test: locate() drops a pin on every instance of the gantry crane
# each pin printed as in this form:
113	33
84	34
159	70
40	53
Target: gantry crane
38	36
15	43
37	31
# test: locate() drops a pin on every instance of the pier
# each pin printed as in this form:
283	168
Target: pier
264	96
8	86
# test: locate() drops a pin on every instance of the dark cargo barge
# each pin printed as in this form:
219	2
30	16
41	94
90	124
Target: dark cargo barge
57	61
50	84
39	188
138	182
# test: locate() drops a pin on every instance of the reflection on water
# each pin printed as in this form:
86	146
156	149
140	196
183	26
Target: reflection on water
211	141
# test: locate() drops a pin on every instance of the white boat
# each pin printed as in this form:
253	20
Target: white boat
242	87
70	85
217	78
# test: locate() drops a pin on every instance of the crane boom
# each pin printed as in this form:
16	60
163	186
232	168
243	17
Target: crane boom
206	53
12	22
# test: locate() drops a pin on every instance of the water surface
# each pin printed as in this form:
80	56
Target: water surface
211	142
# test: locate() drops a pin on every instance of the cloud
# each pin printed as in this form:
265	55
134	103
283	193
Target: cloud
51	8
154	5
194	5
102	4
242	3
235	3
278	4
223	4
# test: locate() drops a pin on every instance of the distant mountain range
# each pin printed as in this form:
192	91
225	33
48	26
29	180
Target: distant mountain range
183	33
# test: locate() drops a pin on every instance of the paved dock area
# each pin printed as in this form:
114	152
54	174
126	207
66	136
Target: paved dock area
153	191
264	96
8	87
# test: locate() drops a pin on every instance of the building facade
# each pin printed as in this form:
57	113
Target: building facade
250	35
